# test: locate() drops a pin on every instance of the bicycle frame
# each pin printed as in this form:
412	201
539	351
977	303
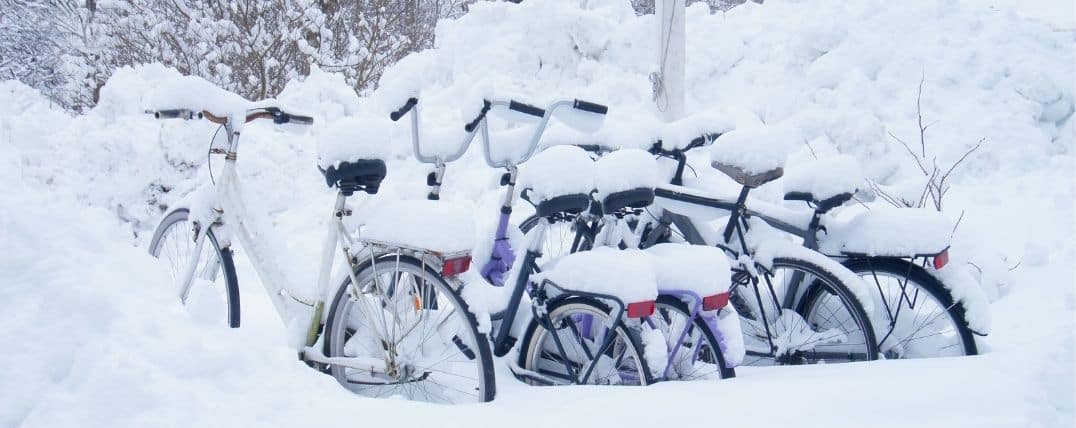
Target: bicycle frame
227	214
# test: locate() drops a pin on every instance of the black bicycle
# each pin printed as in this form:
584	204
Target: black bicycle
913	313
796	306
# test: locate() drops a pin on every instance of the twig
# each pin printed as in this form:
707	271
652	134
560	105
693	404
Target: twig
958	220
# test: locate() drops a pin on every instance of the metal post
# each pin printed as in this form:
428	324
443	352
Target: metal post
669	79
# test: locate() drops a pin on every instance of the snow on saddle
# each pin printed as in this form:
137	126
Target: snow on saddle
755	155
559	179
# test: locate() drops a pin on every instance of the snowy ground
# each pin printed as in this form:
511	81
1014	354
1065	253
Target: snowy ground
95	339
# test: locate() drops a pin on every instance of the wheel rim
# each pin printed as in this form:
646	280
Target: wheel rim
207	299
912	323
580	329
417	339
825	329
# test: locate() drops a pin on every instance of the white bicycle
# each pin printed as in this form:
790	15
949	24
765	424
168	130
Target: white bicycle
397	326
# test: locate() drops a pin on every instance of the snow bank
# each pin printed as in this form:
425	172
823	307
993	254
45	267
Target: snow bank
323	95
812	65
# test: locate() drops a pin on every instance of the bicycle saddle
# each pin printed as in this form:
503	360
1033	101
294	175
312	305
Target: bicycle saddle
567	204
625	179
755	155
359	175
635	198
827	183
748	179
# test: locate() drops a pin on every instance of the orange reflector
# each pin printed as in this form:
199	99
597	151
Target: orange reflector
641	309
715	302
941	259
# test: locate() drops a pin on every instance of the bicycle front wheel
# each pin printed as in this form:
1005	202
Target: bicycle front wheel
214	290
572	346
825	322
562	237
404	332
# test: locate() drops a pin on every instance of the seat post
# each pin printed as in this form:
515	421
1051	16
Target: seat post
741	203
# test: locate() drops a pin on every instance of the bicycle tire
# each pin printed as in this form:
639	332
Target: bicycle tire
171	222
823	281
479	344
670	303
915	274
528	346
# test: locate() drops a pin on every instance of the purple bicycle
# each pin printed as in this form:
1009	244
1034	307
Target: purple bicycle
574	335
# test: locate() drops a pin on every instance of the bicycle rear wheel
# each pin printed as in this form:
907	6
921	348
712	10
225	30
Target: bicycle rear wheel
827	324
916	315
566	349
407	333
214	293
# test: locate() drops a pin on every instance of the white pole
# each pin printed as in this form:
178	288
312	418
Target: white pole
669	80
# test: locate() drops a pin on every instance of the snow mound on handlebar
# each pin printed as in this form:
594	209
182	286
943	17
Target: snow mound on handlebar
196	94
678	134
825	178
557	171
625	170
756	149
625	274
351	139
701	269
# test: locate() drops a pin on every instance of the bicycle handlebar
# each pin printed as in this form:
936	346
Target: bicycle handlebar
175	114
396	115
590	107
702	140
275	113
478	124
470	126
525	108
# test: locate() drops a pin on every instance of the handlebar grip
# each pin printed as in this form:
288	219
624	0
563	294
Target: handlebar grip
482	114
526	108
396	115
177	114
590	107
300	120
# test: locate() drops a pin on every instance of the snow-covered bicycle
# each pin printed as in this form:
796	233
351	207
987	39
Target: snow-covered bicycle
582	311
397	326
796	306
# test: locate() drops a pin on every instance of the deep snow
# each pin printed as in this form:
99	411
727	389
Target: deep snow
95	339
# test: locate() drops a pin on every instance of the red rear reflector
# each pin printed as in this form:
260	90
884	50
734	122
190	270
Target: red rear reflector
456	266
941	259
641	309
715	302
